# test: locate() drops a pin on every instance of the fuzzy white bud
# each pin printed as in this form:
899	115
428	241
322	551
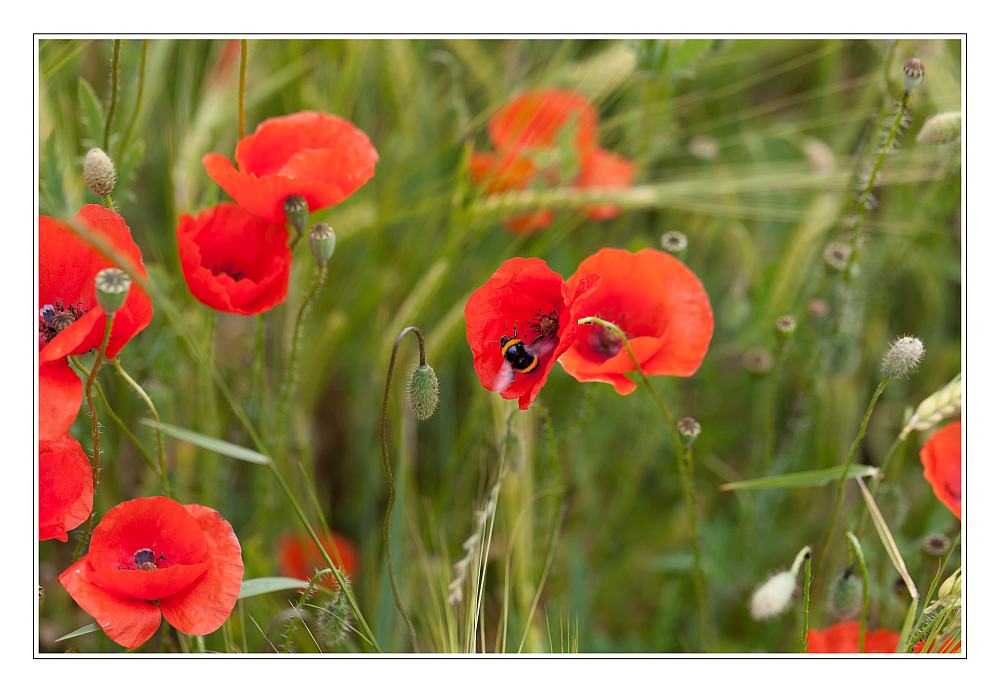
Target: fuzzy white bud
902	358
99	172
941	128
773	597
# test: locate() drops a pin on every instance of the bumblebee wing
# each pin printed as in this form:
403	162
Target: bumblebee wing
542	348
504	378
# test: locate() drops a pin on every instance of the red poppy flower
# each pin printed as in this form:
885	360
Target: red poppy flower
842	638
527	132
656	300
154	555
65	487
70	321
301	559
942	460
317	156
527	300
948	646
234	261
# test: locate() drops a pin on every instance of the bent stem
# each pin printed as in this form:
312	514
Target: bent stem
386	522
292	376
838	505
95	428
161	454
685	468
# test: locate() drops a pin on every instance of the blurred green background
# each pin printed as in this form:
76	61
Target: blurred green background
753	149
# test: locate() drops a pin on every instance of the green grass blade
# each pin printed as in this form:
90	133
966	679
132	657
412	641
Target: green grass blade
86	629
887	540
801	479
213	444
263	585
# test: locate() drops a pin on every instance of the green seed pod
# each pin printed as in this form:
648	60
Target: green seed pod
902	358
422	391
942	128
99	172
913	74
322	242
297	212
111	286
845	596
689	428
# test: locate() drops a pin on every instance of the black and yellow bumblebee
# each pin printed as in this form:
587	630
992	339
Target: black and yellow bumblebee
518	354
522	357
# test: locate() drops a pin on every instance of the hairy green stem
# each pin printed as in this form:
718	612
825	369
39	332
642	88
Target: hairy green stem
292	374
854	546
838	505
686	470
160	451
115	53
387	464
138	103
806	586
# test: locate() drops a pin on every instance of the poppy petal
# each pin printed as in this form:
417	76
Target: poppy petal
205	605
842	638
941	457
158	524
65	487
127	621
147	585
603	170
60	392
535	119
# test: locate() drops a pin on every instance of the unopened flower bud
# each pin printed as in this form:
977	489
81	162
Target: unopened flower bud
818	307
952	586
689	428
773	596
333	619
913	74
936	544
941	128
99	172
786	325
846	595
297	212
322	242
111	286
674	241
837	255
902	358
422	391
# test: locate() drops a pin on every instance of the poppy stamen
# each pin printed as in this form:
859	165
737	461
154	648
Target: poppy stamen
54	317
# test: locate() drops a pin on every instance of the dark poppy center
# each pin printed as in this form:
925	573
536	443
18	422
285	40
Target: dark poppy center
603	341
228	269
55	317
145	559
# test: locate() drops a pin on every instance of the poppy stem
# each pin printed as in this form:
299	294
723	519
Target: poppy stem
806	586
116	51
685	467
95	428
161	454
292	374
387	520
138	103
243	85
854	545
839	503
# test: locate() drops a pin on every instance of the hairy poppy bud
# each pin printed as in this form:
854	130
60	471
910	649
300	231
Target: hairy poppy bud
111	286
913	74
936	544
322	242
837	255
941	128
775	595
333	619
902	358
674	241
786	325
297	212
688	427
422	391
845	596
99	172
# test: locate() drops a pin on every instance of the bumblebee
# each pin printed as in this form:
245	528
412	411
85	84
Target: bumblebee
517	353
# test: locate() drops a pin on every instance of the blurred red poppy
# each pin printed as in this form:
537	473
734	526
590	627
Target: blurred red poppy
548	136
842	638
947	646
154	555
527	300
234	261
941	456
301	559
656	300
317	156
65	487
70	321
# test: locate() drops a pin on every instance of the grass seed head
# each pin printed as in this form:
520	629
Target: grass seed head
99	172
